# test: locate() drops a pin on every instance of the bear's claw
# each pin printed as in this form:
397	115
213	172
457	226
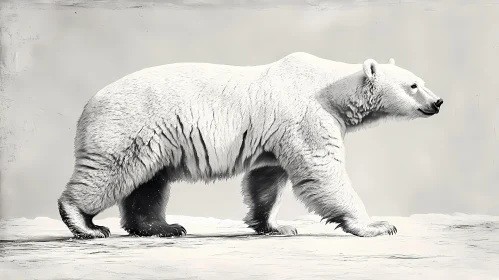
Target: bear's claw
104	230
385	227
176	230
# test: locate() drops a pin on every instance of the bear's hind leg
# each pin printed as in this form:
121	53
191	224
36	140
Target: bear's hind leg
80	223
78	205
262	190
143	211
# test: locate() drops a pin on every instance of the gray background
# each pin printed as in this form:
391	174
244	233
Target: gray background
54	58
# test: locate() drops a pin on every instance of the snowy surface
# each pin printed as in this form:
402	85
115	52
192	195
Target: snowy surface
431	246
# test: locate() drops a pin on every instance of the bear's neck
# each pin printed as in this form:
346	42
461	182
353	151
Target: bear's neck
357	106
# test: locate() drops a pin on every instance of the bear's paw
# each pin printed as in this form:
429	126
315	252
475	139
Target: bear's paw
159	230
369	229
280	230
94	231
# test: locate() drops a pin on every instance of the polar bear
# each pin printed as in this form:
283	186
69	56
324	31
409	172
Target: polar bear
280	122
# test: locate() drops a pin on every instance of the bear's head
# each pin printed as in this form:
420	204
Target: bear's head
399	92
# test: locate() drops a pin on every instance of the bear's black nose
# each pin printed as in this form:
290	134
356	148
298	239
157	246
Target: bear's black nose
439	102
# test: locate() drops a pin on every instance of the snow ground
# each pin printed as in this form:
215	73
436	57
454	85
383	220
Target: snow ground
430	246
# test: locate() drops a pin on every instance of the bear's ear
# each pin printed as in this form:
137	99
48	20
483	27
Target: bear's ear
391	61
370	68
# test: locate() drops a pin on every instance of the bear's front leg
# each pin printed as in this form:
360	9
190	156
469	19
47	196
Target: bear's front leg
327	191
315	163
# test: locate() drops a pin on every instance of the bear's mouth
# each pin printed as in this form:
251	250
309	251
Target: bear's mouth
427	113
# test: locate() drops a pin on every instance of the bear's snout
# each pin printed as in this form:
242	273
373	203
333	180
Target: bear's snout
439	103
432	108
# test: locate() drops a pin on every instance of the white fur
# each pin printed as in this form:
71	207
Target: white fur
297	108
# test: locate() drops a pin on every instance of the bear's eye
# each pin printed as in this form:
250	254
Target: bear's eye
414	86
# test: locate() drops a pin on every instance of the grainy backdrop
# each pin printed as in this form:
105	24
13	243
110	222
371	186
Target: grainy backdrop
54	57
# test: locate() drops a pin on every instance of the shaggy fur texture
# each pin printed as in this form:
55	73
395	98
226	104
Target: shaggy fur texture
281	122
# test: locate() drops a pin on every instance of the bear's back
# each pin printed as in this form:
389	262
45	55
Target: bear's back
207	95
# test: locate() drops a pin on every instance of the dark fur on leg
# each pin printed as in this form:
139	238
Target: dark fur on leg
262	188
143	211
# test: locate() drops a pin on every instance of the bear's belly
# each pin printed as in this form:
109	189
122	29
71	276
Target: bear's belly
200	164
